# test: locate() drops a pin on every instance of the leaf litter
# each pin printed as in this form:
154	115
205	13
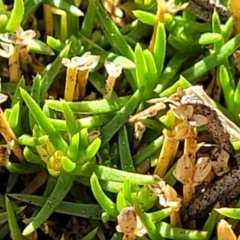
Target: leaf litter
205	180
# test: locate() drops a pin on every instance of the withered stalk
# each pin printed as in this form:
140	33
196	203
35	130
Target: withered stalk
82	79
167	154
9	135
14	67
71	79
48	20
235	9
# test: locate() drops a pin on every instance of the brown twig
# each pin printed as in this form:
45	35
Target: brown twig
204	201
204	9
215	125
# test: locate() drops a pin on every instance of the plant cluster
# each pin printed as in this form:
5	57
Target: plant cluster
100	119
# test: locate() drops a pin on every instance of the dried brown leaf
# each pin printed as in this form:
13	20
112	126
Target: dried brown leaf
188	191
147	113
236	56
235	9
167	154
167	195
221	166
190	145
139	129
202	169
224	231
127	220
199	120
184	169
183	112
182	130
231	127
129	224
175	219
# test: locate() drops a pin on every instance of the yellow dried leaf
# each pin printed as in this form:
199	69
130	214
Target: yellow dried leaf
182	130
140	230
199	120
190	145
172	199
127	220
139	129
114	72
129	236
167	154
236	59
183	170
129	224
221	167
201	170
167	195
7	51
170	193
162	200
167	133
147	113
77	74
175	219
183	112
86	62
192	131
112	69
209	178
175	205
224	231
188	191
71	80
235	9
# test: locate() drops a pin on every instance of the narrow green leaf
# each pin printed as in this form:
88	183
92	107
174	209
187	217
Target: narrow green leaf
12	221
193	73
43	122
229	212
115	38
51	71
16	16
104	201
141	66
209	38
159	49
61	189
91	235
37	46
124	151
145	17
